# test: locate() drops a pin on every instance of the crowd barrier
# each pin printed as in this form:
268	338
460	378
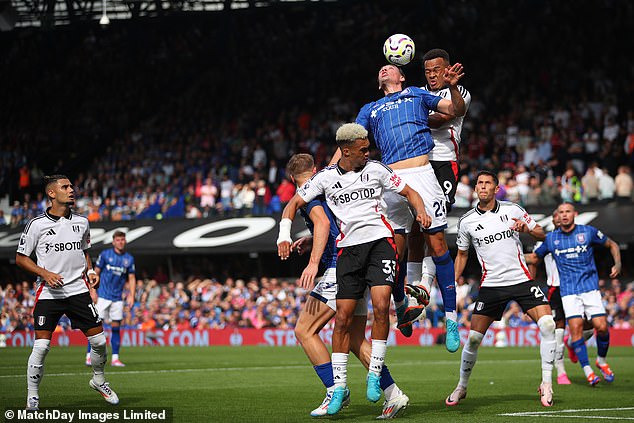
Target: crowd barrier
507	337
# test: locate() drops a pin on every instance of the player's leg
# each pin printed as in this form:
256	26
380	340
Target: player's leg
479	325
103	308
594	308
575	311
318	310
116	317
588	331
84	316
340	351
542	315
395	400
554	298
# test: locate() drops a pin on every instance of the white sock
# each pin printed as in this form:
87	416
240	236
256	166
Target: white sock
587	370
377	356
469	357
115	357
339	368
547	346
452	315
98	357
429	273
414	272
392	391
559	351
35	369
601	361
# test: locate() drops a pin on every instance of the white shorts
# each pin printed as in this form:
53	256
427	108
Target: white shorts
326	292
110	311
584	305
423	180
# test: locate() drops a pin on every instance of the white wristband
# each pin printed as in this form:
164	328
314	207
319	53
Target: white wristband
91	272
285	231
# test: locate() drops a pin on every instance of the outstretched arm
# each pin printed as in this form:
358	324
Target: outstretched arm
416	201
455	107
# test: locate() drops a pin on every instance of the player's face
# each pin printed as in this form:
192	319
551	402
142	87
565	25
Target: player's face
389	74
119	243
434	70
486	188
62	192
359	153
567	214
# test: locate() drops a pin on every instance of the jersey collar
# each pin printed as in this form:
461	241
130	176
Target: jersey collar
493	210
56	218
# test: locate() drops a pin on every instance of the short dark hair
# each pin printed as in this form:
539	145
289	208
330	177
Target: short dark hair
488	173
435	53
300	163
51	179
117	234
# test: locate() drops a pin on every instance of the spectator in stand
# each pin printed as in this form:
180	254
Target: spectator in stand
285	191
464	192
623	184
208	194
262	198
606	186
3	221
590	185
571	190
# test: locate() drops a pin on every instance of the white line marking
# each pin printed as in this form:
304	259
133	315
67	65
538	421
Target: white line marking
568	413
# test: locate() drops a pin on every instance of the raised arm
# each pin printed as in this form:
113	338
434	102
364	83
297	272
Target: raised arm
455	107
284	239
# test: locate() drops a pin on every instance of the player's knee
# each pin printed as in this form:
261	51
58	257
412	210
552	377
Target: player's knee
546	325
98	342
41	346
474	340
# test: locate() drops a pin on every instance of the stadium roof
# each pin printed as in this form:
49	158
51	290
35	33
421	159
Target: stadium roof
51	13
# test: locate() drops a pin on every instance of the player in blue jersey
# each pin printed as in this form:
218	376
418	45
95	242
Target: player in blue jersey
571	246
399	124
115	267
320	306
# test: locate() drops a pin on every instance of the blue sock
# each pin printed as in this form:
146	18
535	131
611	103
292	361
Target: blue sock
399	287
580	349
88	349
116	339
445	276
324	371
386	378
603	343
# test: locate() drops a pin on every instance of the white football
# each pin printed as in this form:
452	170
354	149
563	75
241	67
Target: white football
399	49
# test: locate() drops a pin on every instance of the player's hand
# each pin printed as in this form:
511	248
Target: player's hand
284	249
424	219
453	74
519	225
303	245
52	279
93	279
307	280
615	271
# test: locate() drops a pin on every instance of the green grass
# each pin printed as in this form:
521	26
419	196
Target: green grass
277	384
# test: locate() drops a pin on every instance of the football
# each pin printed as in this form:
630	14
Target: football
399	49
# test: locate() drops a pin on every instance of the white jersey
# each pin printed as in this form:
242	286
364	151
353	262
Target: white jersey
552	274
356	200
447	137
498	247
59	245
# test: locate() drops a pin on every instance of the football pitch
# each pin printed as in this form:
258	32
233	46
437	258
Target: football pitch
277	384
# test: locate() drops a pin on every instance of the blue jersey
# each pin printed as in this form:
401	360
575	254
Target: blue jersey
398	123
115	269
329	257
574	256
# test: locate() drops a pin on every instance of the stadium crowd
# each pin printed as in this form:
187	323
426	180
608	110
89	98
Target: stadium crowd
269	302
170	152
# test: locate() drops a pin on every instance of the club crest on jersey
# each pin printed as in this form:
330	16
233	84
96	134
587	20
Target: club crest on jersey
581	238
126	263
365	177
76	228
556	242
41	320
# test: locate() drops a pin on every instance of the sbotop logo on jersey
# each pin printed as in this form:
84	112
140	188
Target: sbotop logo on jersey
348	197
63	246
490	239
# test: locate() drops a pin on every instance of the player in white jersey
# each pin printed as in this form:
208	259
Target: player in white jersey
60	240
320	306
445	131
493	228
367	256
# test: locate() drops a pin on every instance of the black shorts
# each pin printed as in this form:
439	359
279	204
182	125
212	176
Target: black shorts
554	298
492	302
79	308
447	175
371	264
